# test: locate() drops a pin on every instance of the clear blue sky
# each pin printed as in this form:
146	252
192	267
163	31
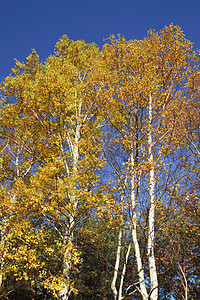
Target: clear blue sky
39	24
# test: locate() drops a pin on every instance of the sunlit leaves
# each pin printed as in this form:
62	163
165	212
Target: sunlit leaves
74	150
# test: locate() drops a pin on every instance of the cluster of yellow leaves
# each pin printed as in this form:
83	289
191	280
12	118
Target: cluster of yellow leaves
52	148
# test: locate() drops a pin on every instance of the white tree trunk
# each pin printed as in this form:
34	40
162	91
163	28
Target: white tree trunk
117	261
150	247
140	269
184	282
124	272
65	290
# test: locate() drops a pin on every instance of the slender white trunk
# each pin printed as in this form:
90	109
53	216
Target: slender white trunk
65	290
117	261
184	282
124	272
150	247
140	269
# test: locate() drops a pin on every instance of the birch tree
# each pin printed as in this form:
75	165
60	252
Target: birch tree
144	82
56	103
98	151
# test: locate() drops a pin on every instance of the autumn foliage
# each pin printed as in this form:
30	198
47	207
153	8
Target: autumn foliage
99	160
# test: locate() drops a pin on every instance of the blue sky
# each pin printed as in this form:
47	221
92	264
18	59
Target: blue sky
39	24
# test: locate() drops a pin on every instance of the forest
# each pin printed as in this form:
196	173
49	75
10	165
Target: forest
99	171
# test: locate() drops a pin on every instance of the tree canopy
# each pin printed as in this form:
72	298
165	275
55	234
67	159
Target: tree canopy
100	171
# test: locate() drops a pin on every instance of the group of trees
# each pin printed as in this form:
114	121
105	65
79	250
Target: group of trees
100	171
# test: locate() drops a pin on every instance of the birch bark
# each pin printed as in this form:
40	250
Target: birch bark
151	234
123	273
140	269
117	262
69	234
